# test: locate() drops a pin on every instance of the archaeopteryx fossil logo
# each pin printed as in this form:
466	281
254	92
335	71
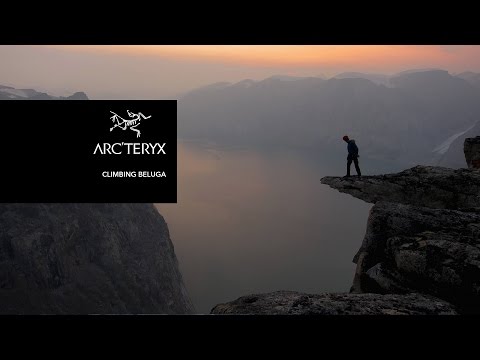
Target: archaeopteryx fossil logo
131	123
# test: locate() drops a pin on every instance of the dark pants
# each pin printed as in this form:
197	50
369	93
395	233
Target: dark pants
349	163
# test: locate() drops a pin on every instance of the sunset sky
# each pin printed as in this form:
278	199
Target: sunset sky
137	71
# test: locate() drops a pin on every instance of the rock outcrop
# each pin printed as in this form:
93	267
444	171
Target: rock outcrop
418	249
294	303
88	258
471	149
429	186
420	253
423	233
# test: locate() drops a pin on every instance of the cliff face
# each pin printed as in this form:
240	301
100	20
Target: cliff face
423	233
420	253
471	149
419	249
88	258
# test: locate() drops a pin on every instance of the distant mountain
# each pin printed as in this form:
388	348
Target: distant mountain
413	71
286	77
215	86
471	77
380	79
246	83
402	124
10	93
79	95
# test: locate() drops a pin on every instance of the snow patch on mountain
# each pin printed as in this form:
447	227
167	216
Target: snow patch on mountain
15	92
444	146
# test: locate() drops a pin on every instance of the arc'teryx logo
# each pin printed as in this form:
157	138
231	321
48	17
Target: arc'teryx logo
131	123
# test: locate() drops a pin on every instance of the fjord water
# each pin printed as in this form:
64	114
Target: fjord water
250	221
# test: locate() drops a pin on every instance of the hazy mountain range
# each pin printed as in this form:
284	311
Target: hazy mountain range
471	77
416	116
10	93
408	118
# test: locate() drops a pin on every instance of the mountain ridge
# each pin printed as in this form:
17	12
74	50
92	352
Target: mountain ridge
11	93
401	124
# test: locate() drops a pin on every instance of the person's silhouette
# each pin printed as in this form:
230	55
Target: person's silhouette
352	155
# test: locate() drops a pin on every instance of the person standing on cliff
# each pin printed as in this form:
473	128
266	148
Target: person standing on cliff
352	156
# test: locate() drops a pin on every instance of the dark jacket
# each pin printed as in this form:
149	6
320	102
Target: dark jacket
352	149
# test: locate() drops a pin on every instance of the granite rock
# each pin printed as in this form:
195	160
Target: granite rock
295	303
88	259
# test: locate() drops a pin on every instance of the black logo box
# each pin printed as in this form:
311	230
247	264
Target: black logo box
47	151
